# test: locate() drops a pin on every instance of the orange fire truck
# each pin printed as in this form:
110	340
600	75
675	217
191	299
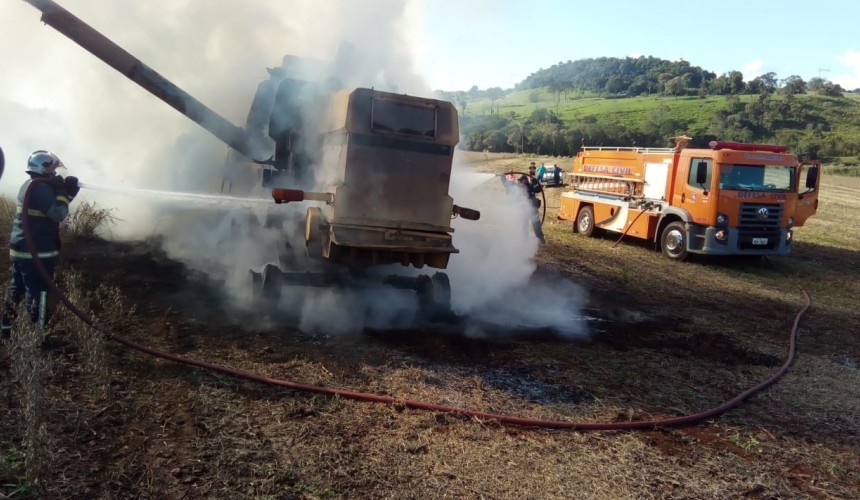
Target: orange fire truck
731	199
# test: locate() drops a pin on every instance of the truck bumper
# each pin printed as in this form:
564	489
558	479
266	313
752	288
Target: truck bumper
703	240
369	245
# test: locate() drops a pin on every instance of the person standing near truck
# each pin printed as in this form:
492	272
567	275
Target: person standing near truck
532	187
556	175
541	171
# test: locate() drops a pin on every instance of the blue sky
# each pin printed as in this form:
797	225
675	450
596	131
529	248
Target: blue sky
499	43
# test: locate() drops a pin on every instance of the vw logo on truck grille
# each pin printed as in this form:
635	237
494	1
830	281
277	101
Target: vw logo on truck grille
762	213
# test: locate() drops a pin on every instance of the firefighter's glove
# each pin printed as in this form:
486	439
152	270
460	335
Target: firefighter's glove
56	182
71	186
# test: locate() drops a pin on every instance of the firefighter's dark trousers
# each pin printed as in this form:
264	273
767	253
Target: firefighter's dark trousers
27	286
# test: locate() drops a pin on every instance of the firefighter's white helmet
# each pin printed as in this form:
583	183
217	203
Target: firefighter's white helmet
44	163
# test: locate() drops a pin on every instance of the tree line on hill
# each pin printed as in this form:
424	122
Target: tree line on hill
650	75
779	105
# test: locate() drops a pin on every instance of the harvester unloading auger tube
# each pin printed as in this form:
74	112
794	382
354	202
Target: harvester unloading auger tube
681	421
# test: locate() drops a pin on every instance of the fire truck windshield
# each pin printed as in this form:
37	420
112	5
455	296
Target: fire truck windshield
757	177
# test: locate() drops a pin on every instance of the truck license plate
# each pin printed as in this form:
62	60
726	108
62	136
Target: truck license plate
759	241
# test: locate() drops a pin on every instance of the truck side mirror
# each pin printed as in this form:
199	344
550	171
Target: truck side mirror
812	178
701	172
2	163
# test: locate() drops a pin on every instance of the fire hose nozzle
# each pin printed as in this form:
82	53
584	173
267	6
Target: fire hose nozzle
467	213
283	195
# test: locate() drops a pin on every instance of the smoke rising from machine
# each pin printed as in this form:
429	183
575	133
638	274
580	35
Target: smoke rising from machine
492	277
60	97
109	131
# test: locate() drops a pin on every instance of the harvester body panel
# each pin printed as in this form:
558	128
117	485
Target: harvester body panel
390	159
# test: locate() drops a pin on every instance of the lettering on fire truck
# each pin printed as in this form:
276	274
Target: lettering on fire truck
777	196
603	169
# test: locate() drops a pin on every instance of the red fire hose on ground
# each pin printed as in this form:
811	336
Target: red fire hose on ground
418	405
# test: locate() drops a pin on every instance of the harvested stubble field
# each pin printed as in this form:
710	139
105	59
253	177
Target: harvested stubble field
675	338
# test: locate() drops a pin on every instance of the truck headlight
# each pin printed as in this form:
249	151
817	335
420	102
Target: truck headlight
791	222
722	219
721	235
788	236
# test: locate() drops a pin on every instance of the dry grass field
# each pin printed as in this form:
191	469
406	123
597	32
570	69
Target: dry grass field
673	339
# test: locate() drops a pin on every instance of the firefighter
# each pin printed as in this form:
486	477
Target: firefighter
49	206
532	187
556	174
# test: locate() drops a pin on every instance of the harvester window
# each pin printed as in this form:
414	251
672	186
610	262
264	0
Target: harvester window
402	118
694	169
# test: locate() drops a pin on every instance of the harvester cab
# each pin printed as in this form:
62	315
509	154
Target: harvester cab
376	164
283	125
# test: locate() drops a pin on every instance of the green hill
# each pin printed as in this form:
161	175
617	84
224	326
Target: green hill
646	100
544	122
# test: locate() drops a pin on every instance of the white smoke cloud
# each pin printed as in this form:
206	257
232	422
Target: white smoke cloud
492	276
105	126
498	248
54	95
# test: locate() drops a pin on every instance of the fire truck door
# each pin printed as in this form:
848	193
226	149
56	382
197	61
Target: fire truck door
809	177
695	192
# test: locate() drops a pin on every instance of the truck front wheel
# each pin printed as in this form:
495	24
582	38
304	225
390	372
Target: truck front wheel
673	242
585	221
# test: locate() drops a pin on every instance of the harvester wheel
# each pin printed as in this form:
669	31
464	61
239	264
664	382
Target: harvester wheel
434	294
256	286
265	284
585	221
273	279
441	290
313	230
312	225
673	241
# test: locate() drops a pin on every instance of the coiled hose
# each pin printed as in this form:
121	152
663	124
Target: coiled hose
390	400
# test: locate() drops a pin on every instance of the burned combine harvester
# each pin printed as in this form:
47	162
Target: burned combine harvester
385	162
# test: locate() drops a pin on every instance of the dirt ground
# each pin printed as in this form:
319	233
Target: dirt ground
666	341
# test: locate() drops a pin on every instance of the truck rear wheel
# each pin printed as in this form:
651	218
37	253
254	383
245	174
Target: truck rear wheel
585	221
673	241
